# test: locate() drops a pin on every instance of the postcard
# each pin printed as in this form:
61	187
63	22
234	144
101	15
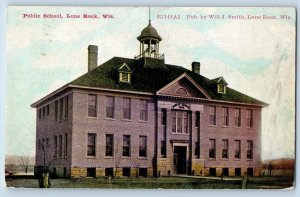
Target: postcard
150	97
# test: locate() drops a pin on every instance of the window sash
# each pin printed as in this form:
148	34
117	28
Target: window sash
212	148
143	110
225	116
55	147
66	144
249	118
91	144
197	119
237	151
56	110
163	116
60	146
127	108
109	145
92	105
110	107
180	122
48	110
66	106
126	146
40	113
44	112
163	148
225	149
143	146
197	148
249	150
212	115
61	105
237	117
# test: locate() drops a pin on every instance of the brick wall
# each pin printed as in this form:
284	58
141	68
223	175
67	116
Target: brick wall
101	126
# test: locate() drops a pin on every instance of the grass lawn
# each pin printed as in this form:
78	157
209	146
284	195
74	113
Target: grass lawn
164	182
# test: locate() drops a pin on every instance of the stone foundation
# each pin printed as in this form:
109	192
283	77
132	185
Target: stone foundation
164	166
134	172
198	167
118	172
77	172
150	172
100	172
219	171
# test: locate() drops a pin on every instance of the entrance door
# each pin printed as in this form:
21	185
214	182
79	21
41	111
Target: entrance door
180	159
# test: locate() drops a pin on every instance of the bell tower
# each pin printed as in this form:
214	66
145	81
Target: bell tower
149	42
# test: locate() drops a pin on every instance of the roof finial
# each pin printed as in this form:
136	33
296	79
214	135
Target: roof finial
149	15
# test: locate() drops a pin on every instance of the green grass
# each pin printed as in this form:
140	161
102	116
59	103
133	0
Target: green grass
154	183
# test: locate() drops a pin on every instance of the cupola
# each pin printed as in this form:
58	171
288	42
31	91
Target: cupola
149	43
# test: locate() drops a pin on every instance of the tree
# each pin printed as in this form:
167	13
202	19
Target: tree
44	179
270	168
24	162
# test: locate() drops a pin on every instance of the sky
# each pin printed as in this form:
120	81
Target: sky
255	57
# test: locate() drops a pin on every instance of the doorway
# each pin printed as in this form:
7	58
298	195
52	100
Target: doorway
180	159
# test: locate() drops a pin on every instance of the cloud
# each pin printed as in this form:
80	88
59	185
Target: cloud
252	38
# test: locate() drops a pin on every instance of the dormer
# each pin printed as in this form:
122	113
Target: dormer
221	85
124	73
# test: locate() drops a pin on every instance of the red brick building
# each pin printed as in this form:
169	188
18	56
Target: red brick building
143	117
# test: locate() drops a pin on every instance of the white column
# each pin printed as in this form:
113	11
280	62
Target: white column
149	51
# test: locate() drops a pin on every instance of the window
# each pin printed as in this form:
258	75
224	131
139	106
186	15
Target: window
92	105
212	115
66	145
56	110
237	117
197	149
66	107
126	108
110	107
249	118
197	119
249	149
163	148
109	172
143	172
44	112
222	88
91	172
143	110
163	116
225	116
212	148
237	151
179	122
225	149
143	146
126	145
55	147
60	146
48	110
61	105
91	146
40	113
126	172
109	145
124	77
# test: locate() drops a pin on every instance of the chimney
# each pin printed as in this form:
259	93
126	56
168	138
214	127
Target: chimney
92	57
196	67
